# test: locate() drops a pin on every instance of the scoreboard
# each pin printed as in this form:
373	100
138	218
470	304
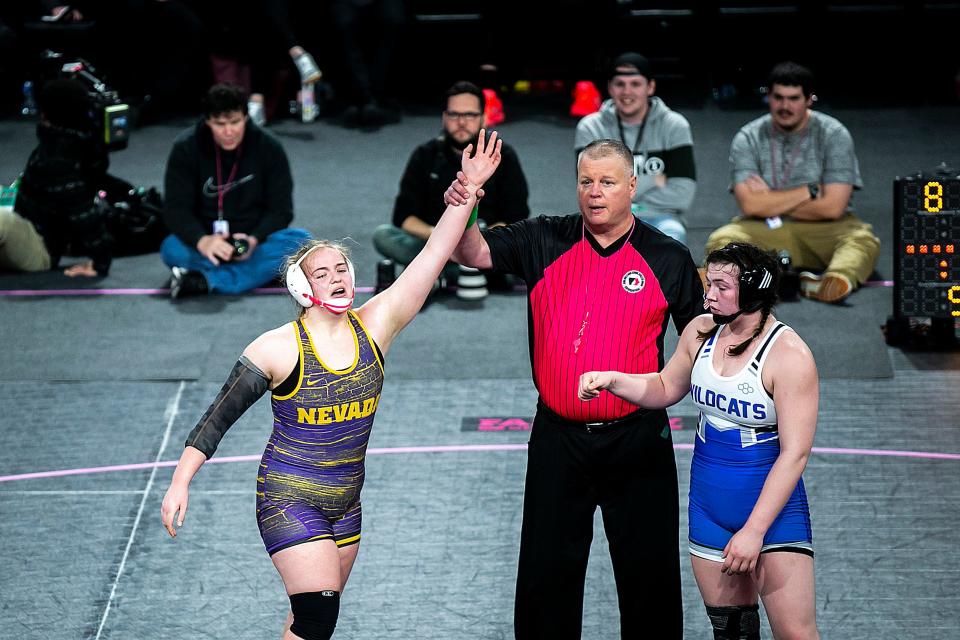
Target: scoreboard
926	258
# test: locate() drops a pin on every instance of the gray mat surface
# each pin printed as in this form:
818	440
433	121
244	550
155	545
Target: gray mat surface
202	338
85	556
441	530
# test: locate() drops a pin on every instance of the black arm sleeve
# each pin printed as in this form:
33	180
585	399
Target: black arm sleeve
244	387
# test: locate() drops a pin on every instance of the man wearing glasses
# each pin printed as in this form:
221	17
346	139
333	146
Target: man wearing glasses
430	170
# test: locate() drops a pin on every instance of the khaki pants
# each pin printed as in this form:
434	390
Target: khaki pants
21	247
846	246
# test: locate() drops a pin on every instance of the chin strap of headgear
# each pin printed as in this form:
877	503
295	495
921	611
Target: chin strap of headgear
333	305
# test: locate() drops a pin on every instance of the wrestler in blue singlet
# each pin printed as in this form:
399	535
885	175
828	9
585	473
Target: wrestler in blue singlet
312	470
737	443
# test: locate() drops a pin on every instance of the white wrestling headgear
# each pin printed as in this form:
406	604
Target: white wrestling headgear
299	286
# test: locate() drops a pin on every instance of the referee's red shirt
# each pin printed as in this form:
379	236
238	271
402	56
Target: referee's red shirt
593	308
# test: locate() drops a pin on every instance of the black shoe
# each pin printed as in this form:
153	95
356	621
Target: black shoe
185	283
789	279
375	115
350	118
386	274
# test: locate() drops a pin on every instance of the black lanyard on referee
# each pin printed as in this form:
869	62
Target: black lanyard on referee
623	138
221	187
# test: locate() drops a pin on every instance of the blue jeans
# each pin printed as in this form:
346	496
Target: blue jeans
261	267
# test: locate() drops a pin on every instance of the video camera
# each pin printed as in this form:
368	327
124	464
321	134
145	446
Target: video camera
108	113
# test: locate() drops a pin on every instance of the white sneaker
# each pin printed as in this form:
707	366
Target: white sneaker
309	71
256	112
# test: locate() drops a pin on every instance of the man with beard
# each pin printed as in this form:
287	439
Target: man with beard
793	175
430	170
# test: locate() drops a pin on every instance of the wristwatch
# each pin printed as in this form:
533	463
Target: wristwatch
814	189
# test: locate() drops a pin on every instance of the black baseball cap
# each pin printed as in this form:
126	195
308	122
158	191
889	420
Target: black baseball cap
631	59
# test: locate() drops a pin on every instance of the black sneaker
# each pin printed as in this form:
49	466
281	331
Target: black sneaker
386	274
185	283
471	284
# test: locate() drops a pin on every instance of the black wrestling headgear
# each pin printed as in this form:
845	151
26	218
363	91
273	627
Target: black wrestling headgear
759	277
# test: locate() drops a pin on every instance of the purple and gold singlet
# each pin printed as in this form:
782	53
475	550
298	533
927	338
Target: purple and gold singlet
311	473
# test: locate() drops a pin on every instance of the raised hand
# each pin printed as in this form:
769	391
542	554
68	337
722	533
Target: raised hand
484	162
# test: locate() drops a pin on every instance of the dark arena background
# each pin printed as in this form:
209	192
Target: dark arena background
103	378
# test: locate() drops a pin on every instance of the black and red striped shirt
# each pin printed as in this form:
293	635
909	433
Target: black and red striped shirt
595	309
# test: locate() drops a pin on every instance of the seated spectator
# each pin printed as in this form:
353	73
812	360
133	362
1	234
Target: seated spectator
659	137
55	212
229	201
793	175
431	168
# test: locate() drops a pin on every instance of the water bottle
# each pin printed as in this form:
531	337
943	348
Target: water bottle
29	108
308	107
8	195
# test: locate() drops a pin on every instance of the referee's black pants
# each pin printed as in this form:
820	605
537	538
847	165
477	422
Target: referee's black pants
628	470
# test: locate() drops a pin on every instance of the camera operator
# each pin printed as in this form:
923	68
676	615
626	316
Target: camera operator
55	212
229	199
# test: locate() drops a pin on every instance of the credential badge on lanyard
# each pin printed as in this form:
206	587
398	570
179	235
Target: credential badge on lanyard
220	226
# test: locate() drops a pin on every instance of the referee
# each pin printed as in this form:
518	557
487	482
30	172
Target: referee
601	288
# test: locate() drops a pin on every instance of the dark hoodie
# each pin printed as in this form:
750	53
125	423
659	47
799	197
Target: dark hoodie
258	201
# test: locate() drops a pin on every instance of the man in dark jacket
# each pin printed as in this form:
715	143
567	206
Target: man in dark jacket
431	168
228	201
55	213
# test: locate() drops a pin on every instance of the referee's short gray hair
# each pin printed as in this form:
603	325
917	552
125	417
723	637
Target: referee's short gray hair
604	148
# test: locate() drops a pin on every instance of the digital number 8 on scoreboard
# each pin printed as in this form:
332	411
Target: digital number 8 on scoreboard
926	260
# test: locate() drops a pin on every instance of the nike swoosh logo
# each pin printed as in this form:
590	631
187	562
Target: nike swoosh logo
210	189
310	383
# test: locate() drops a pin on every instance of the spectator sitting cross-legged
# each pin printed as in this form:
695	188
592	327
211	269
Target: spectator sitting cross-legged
229	201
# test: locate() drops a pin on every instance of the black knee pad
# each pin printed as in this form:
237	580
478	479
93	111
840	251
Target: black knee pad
315	614
737	622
